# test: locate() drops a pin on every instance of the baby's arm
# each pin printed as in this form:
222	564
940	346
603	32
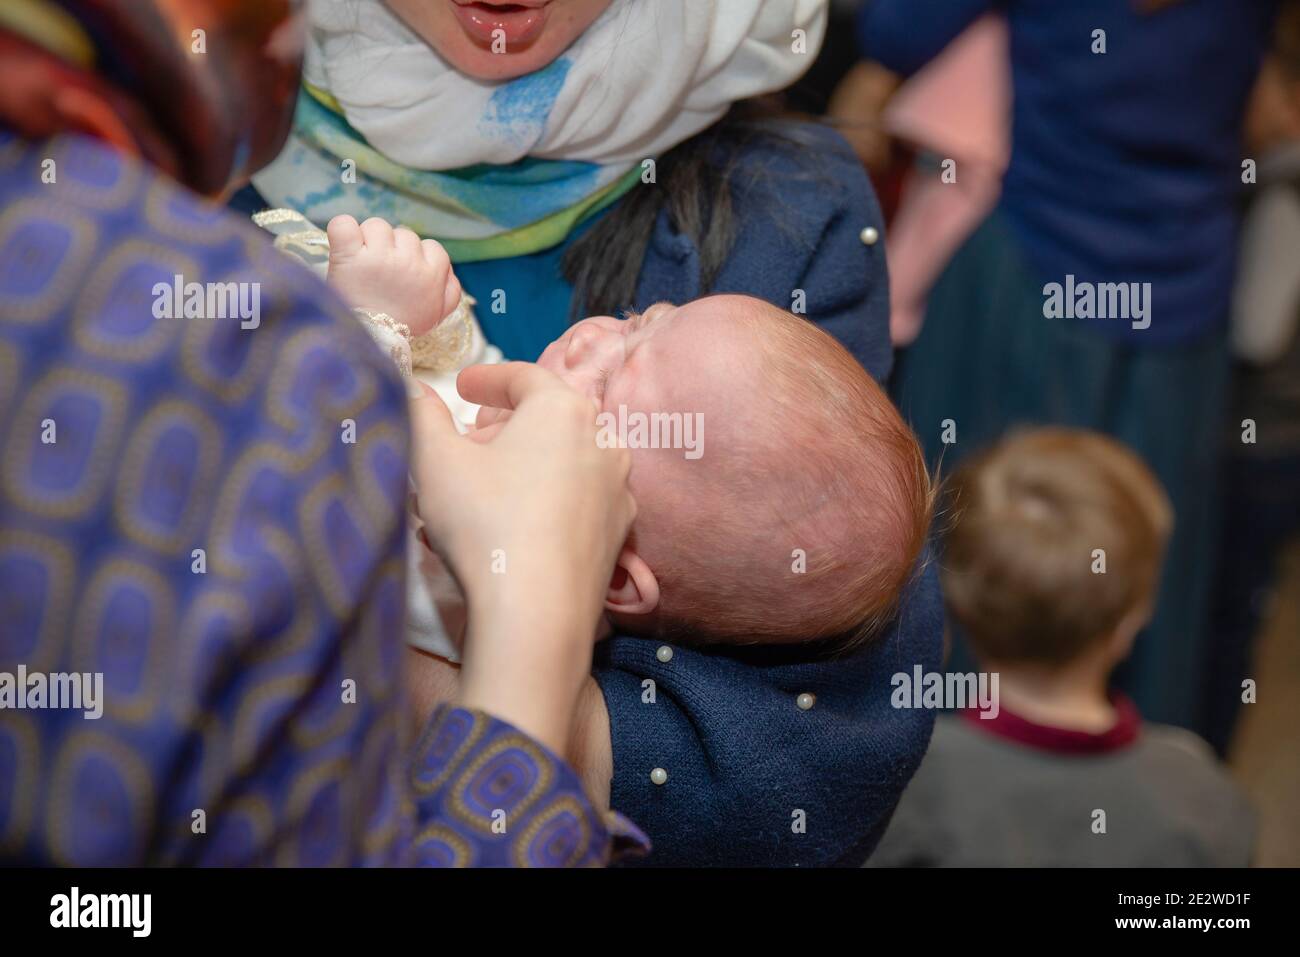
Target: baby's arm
392	271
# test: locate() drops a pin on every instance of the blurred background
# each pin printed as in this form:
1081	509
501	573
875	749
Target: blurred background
1165	92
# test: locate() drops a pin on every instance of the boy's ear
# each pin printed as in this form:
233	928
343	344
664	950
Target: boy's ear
1127	630
633	588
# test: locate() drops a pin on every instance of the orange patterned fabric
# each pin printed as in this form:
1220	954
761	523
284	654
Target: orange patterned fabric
205	88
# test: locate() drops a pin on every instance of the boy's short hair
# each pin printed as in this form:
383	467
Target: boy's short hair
1021	569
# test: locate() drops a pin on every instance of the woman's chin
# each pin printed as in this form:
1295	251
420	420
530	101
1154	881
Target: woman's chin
474	61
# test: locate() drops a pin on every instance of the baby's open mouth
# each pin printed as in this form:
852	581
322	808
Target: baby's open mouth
502	27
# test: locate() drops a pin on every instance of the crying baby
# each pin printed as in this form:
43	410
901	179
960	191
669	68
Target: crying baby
799	520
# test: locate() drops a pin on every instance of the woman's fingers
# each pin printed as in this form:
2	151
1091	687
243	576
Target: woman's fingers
434	439
486	434
506	384
488	416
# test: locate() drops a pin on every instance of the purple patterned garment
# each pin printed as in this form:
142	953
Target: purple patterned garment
204	517
489	796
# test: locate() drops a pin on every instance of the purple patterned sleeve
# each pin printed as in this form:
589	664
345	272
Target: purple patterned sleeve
215	542
488	795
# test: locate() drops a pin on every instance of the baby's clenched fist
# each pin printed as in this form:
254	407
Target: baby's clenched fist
377	267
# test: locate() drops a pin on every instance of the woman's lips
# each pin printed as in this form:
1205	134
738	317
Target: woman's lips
520	23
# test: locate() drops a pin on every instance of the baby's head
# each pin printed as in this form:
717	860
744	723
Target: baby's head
793	501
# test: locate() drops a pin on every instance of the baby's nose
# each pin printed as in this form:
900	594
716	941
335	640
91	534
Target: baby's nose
584	343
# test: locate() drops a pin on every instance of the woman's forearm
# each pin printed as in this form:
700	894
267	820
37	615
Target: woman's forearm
525	663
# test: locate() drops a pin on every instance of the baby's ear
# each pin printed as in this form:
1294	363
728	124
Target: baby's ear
633	588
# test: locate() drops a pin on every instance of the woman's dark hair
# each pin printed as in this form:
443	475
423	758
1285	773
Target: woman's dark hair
693	182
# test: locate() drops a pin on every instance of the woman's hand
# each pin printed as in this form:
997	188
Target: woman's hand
530	521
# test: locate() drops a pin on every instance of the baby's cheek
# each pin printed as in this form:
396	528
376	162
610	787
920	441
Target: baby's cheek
655	478
660	504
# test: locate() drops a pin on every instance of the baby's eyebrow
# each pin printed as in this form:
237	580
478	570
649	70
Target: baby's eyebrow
652	312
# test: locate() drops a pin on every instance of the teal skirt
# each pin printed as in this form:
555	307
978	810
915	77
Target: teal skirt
988	360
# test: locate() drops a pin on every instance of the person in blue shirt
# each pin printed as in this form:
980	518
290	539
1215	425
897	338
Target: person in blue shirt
1097	292
599	166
